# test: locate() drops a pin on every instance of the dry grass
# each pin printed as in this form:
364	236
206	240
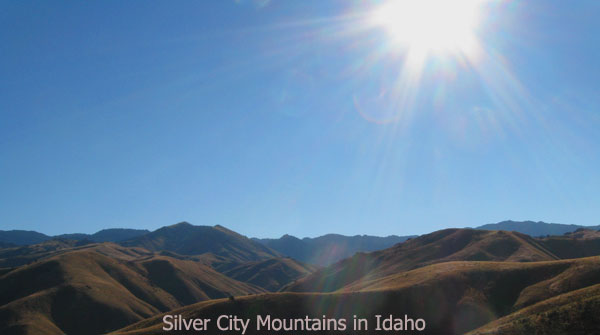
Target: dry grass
98	289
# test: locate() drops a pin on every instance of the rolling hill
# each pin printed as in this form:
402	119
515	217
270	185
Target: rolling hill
441	246
98	288
327	249
453	297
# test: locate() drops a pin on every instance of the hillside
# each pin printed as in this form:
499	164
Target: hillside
328	249
535	229
452	297
271	274
580	243
98	288
441	246
569	313
186	239
17	256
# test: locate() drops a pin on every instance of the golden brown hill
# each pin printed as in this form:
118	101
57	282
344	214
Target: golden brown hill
100	288
452	297
441	246
271	274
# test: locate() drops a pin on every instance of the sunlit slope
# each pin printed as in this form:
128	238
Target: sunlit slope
186	239
453	297
99	289
271	274
441	246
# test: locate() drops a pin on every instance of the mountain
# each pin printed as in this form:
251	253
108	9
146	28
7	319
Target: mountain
441	246
106	235
22	237
271	274
453	297
532	228
117	234
26	237
186	239
101	287
328	249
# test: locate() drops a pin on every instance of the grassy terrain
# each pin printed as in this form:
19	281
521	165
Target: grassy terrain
441	246
97	289
453	297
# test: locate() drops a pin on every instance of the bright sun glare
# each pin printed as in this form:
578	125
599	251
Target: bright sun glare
430	26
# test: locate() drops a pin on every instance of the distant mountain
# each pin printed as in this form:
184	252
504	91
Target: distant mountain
117	234
328	249
186	239
107	235
271	274
26	237
535	229
22	237
98	288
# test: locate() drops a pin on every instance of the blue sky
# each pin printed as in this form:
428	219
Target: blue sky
299	117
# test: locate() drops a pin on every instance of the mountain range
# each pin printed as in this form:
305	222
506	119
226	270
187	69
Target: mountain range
461	281
536	229
27	237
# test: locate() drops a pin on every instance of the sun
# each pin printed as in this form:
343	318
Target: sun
430	26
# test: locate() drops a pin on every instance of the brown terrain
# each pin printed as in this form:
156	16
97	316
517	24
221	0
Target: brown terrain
458	280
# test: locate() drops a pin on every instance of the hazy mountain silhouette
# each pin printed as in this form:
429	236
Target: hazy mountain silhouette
327	249
22	237
26	237
535	228
186	239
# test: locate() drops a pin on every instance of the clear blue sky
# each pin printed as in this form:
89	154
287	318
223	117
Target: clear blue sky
300	117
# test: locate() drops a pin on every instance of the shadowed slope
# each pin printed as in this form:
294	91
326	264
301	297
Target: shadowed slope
441	246
575	312
452	297
186	239
581	243
97	289
271	274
